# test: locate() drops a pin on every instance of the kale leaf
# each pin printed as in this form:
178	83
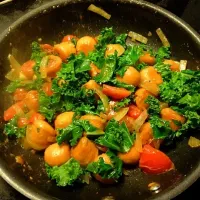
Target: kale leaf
107	171
66	174
74	131
154	105
116	137
11	128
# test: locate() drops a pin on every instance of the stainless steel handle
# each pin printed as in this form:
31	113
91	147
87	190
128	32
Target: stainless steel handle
5	2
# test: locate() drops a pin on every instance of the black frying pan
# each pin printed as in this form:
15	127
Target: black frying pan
51	22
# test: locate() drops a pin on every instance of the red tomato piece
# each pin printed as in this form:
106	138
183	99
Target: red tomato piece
47	48
47	88
134	111
68	38
153	161
115	92
20	94
36	116
27	69
22	121
16	108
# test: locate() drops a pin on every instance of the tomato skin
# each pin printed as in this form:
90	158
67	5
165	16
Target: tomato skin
19	94
22	121
134	111
36	116
13	110
27	69
47	88
47	48
68	38
153	161
115	92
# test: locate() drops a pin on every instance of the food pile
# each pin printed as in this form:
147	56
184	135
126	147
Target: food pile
95	104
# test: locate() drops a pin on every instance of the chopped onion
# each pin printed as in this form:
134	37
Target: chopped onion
140	121
183	65
163	38
194	142
99	11
43	66
120	114
135	36
103	98
13	74
138	142
86	178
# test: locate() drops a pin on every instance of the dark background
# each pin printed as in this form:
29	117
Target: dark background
188	10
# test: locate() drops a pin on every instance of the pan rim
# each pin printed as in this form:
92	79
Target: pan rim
168	194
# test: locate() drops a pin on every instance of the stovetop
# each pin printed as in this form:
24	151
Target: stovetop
188	10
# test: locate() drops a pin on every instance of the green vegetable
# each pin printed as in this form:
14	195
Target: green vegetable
161	128
11	128
121	39
97	57
164	70
181	91
154	105
163	52
141	66
37	55
108	69
28	85
117	137
66	174
117	83
50	105
107	36
129	58
180	84
121	104
107	171
193	122
190	101
74	132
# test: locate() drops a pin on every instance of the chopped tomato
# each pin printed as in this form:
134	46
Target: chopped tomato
47	88
20	94
36	116
22	121
134	111
115	92
27	69
68	38
153	161
16	108
47	48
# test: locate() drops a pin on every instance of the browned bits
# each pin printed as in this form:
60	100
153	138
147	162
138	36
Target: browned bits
108	198
19	160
